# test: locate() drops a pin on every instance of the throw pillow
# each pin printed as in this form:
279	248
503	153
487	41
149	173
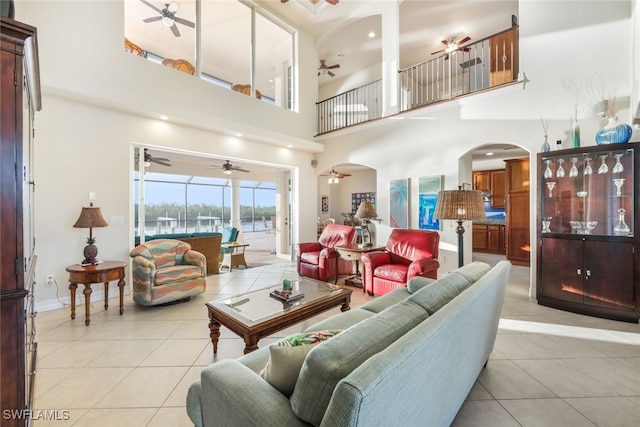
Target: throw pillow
287	356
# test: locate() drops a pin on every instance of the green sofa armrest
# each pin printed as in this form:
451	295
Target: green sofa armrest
233	395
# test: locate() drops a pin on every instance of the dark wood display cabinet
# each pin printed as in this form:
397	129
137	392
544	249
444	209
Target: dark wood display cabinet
20	95
587	244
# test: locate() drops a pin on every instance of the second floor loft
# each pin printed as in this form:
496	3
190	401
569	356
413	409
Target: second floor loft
461	70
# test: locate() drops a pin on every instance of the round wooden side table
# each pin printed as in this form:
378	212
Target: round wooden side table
103	272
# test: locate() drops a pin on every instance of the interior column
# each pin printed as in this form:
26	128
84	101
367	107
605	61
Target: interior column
390	56
235	203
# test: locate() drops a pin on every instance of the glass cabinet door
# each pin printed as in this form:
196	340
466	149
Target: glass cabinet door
587	192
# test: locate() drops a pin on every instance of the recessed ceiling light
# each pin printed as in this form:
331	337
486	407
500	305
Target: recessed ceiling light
340	55
490	153
164	118
372	35
239	135
290	146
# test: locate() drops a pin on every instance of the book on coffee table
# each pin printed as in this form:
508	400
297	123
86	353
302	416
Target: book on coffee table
286	296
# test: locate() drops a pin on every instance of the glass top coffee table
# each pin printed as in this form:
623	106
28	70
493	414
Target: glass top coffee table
256	314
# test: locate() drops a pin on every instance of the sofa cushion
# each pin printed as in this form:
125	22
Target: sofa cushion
436	294
329	363
418	282
342	320
177	273
378	304
393	272
287	355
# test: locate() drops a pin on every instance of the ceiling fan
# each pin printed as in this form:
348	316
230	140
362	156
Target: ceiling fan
333	2
148	159
228	168
326	69
451	46
168	16
335	177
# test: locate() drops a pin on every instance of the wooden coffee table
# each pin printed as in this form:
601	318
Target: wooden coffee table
254	315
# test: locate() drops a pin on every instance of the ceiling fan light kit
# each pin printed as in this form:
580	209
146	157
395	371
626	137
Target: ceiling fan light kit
167	16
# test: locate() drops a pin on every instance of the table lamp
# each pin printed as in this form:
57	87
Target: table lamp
460	205
366	213
90	217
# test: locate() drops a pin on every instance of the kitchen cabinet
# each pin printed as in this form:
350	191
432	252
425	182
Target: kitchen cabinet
518	245
587	249
488	238
492	182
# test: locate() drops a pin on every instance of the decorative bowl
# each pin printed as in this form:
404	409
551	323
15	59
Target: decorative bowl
583	227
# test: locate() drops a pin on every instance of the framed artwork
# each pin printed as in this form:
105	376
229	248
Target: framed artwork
357	198
324	203
399	203
428	187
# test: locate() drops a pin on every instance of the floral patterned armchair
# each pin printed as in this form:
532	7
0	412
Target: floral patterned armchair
167	270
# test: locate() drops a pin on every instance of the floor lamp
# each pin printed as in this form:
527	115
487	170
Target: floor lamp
460	205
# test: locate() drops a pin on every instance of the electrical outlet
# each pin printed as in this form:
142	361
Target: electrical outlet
51	280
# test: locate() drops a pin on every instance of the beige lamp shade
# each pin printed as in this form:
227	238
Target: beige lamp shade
90	217
366	211
460	205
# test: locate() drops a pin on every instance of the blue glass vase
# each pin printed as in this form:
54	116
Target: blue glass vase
614	133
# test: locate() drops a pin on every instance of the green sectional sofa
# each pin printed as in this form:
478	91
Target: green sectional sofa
208	244
407	358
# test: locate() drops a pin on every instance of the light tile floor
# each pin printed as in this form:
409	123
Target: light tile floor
548	368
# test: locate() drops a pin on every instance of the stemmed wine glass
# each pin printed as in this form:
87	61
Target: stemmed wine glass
618	166
548	173
587	166
603	167
560	170
573	172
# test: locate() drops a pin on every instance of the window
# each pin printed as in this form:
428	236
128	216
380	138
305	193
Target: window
187	204
239	44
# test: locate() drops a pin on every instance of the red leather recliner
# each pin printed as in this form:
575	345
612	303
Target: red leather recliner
319	260
408	253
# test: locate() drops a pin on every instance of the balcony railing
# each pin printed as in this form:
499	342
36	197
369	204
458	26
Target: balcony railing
350	108
475	67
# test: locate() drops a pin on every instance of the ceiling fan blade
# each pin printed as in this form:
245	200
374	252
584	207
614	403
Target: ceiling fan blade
184	22
464	40
174	29
236	168
333	66
154	19
465	49
323	62
437	51
151	6
159	162
283	1
445	42
331	73
333	2
163	159
446	57
318	74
